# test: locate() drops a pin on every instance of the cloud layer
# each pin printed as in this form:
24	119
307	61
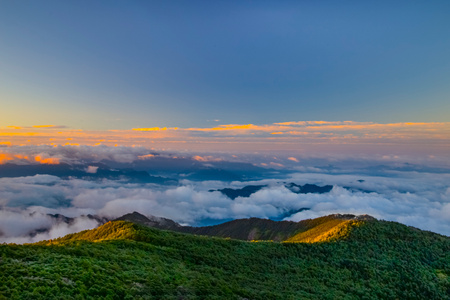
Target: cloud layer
300	136
420	200
413	190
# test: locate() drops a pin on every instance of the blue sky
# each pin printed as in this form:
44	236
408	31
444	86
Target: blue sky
125	64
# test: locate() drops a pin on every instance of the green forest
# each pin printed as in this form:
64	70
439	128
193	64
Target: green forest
123	260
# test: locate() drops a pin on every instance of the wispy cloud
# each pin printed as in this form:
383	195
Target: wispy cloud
49	126
206	158
431	138
228	127
150	129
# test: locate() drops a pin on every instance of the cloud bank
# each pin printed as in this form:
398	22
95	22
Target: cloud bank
420	200
412	190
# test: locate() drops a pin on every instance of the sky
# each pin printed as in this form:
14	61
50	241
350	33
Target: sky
115	65
353	94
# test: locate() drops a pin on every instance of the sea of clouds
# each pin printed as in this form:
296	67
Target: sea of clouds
419	199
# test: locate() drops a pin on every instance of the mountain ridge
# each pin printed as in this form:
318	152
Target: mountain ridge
259	229
323	229
126	260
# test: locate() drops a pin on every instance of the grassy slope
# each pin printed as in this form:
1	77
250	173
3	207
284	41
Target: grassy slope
120	260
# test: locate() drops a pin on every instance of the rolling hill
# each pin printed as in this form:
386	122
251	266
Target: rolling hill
260	229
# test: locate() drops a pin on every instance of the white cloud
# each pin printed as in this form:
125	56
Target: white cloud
30	225
420	200
417	199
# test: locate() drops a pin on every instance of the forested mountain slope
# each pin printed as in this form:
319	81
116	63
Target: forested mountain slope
254	228
124	260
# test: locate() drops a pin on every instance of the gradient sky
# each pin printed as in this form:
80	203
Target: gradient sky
346	93
100	65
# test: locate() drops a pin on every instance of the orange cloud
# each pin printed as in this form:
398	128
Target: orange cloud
284	135
206	158
225	127
18	133
5	157
14	127
47	161
234	127
48	126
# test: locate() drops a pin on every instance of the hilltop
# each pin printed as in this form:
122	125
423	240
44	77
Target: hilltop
124	260
310	230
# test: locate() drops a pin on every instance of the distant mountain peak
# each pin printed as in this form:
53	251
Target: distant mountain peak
364	217
308	188
151	221
248	190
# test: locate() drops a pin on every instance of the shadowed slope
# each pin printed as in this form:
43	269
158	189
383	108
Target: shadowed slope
249	229
311	230
150	221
